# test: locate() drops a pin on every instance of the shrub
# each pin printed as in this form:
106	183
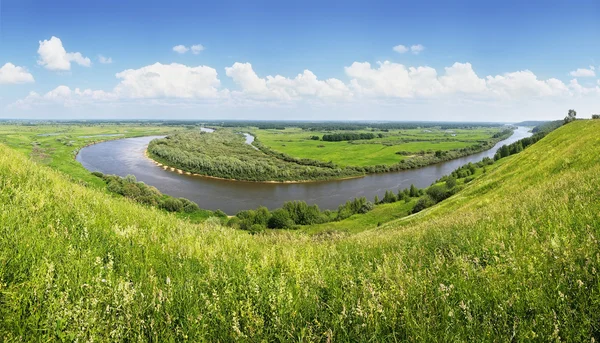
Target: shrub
98	174
366	207
220	213
280	219
234	222
114	186
423	203
172	205
450	182
437	193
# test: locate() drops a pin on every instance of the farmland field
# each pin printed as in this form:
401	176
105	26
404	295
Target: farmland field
298	143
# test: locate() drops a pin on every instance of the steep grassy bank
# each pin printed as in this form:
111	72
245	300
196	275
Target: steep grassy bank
514	256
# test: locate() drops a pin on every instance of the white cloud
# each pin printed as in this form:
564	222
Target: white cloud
181	49
104	60
283	88
12	74
416	49
53	56
524	84
381	84
582	72
400	49
196	49
168	81
461	78
393	80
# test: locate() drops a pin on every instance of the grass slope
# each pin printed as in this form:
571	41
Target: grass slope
514	256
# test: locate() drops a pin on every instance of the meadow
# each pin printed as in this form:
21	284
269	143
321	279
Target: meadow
512	257
298	143
309	156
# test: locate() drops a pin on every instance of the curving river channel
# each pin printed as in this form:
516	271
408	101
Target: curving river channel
126	156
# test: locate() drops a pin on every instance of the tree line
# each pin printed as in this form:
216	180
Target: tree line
348	136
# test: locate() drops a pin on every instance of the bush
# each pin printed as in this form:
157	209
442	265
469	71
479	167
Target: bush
220	214
280	219
450	182
366	207
256	228
172	205
114	186
234	222
98	174
423	203
437	193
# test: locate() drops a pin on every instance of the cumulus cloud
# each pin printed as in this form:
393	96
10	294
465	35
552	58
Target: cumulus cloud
12	74
582	72
53	56
417	48
394	80
282	88
400	49
168	80
524	84
181	49
104	60
383	82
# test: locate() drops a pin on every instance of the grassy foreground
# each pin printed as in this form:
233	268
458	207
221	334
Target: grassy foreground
514	256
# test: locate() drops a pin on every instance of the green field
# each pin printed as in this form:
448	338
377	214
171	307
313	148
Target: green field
512	257
298	143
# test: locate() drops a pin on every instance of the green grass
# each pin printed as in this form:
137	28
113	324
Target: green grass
513	257
380	151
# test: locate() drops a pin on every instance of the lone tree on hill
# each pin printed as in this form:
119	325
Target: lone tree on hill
571	116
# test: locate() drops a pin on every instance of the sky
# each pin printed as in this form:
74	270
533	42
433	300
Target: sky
502	61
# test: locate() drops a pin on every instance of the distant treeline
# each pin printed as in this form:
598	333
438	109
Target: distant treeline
349	126
348	136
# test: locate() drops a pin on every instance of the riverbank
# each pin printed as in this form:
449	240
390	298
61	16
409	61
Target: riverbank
126	156
224	155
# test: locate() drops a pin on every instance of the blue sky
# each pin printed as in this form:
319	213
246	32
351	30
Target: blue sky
479	60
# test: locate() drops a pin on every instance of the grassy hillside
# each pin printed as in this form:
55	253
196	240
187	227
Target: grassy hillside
514	256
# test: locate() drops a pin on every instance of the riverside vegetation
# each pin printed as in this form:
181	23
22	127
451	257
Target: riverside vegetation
224	153
513	256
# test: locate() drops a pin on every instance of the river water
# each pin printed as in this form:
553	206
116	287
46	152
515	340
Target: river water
126	156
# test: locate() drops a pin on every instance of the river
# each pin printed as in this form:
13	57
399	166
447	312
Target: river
126	156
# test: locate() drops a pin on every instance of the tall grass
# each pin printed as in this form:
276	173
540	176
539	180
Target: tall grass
514	256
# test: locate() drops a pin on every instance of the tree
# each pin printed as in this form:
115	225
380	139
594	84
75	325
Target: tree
414	192
451	182
389	197
595	116
280	219
571	116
